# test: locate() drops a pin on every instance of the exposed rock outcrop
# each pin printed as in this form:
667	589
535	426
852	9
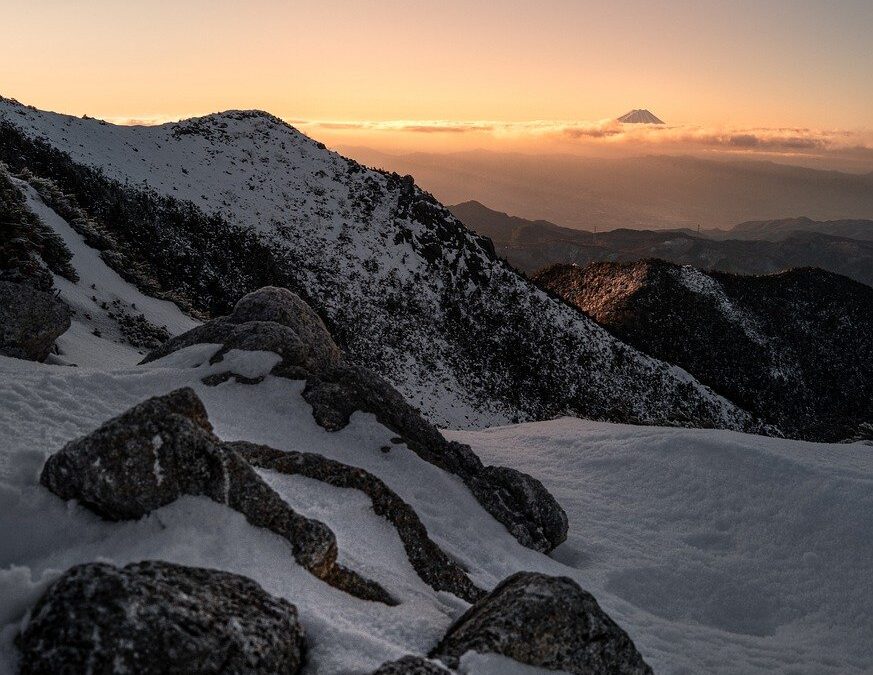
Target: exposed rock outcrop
156	617
274	319
164	448
270	319
434	567
30	321
543	621
411	665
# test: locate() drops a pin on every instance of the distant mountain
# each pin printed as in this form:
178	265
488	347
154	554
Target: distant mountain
639	117
775	230
796	347
203	211
533	245
651	192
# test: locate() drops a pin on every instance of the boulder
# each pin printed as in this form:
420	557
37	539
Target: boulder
164	448
276	320
270	319
30	321
411	665
156	617
543	621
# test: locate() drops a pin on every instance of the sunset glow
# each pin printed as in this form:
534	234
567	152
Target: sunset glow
788	77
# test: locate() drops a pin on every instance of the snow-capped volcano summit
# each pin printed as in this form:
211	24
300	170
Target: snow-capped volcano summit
639	116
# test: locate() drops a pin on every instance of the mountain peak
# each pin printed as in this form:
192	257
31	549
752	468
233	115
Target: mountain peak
639	117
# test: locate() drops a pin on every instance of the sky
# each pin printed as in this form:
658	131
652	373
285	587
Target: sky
781	76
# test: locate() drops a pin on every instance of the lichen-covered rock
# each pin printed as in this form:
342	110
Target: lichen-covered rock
544	621
429	561
269	319
276	320
164	448
30	321
156	617
411	665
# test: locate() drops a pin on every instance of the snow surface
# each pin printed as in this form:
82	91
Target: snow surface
719	552
99	291
716	551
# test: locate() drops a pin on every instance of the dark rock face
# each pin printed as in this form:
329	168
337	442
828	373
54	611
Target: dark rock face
164	448
337	388
434	567
795	348
411	665
156	617
543	621
30	321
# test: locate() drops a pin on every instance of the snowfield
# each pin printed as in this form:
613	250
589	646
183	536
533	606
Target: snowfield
720	552
716	551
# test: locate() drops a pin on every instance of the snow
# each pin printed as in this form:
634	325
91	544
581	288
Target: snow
98	292
717	551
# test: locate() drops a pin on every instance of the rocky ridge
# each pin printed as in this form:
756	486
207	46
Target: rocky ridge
795	347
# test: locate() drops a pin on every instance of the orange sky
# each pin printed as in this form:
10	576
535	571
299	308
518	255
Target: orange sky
718	68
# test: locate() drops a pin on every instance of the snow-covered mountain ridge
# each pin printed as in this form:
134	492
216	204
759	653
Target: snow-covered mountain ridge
208	209
795	347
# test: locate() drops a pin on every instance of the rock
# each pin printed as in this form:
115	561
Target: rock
156	617
411	665
434	567
269	319
528	510
30	321
276	320
543	621
164	448
517	500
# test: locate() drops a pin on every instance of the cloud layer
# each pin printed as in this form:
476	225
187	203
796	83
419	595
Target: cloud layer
550	135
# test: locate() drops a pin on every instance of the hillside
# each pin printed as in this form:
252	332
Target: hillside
795	347
531	245
203	211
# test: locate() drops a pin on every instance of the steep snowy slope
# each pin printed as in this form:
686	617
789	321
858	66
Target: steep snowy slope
203	211
721	552
113	323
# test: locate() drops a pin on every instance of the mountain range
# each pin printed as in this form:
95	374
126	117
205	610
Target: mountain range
645	192
795	347
749	248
